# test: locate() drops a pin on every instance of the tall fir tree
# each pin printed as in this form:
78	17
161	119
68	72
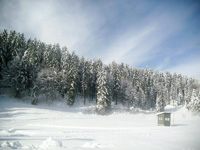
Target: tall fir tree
102	92
116	86
194	105
65	64
72	79
85	80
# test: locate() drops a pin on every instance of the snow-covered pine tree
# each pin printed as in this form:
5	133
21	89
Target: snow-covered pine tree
3	63
72	79
31	55
145	88
160	99
7	50
46	83
173	90
150	87
168	83
91	85
187	91
179	85
47	56
65	64
194	105
153	97
20	45
85	80
56	57
131	95
96	67
10	46
109	88
122	92
116	86
17	75
102	92
32	61
94	72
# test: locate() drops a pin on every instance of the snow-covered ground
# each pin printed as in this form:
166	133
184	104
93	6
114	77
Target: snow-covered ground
25	126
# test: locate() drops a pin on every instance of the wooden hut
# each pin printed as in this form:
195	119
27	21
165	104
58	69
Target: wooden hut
164	119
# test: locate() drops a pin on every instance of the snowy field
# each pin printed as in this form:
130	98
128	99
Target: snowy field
24	126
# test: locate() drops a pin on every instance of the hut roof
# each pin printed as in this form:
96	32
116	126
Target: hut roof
163	113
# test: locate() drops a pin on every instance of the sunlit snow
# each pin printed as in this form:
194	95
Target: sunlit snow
26	126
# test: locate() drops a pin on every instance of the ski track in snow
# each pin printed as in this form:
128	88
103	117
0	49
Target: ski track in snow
24	126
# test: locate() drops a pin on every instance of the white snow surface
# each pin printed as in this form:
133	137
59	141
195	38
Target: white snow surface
26	126
50	144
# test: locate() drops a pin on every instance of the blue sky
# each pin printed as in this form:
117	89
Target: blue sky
163	35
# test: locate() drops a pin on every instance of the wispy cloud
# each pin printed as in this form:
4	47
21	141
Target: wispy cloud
190	69
64	22
128	42
139	33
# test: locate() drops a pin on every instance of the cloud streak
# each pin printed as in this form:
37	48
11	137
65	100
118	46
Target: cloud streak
191	69
139	33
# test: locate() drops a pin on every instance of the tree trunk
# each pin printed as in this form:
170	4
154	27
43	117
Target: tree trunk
84	99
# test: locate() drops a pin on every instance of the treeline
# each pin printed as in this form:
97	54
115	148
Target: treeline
35	68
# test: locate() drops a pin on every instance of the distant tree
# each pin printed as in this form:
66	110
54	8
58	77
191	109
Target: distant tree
85	79
160	100
46	84
47	63
3	51
72	79
95	66
131	96
116	86
56	57
17	76
194	105
65	66
102	92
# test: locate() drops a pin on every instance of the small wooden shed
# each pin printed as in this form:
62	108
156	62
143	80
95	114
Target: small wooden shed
164	119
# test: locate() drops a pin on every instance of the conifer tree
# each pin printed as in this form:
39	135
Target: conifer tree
116	86
102	92
72	79
160	99
194	105
65	64
47	57
131	95
94	72
3	43
56	57
85	80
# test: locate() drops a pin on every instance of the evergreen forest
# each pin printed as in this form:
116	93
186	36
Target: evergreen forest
29	67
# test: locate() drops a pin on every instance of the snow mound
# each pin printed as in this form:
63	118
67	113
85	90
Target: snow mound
11	132
91	145
91	109
50	144
30	147
4	133
13	145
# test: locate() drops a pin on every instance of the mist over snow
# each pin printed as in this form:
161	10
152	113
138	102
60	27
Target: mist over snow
162	35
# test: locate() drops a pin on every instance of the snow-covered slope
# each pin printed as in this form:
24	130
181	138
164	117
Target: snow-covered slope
24	126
